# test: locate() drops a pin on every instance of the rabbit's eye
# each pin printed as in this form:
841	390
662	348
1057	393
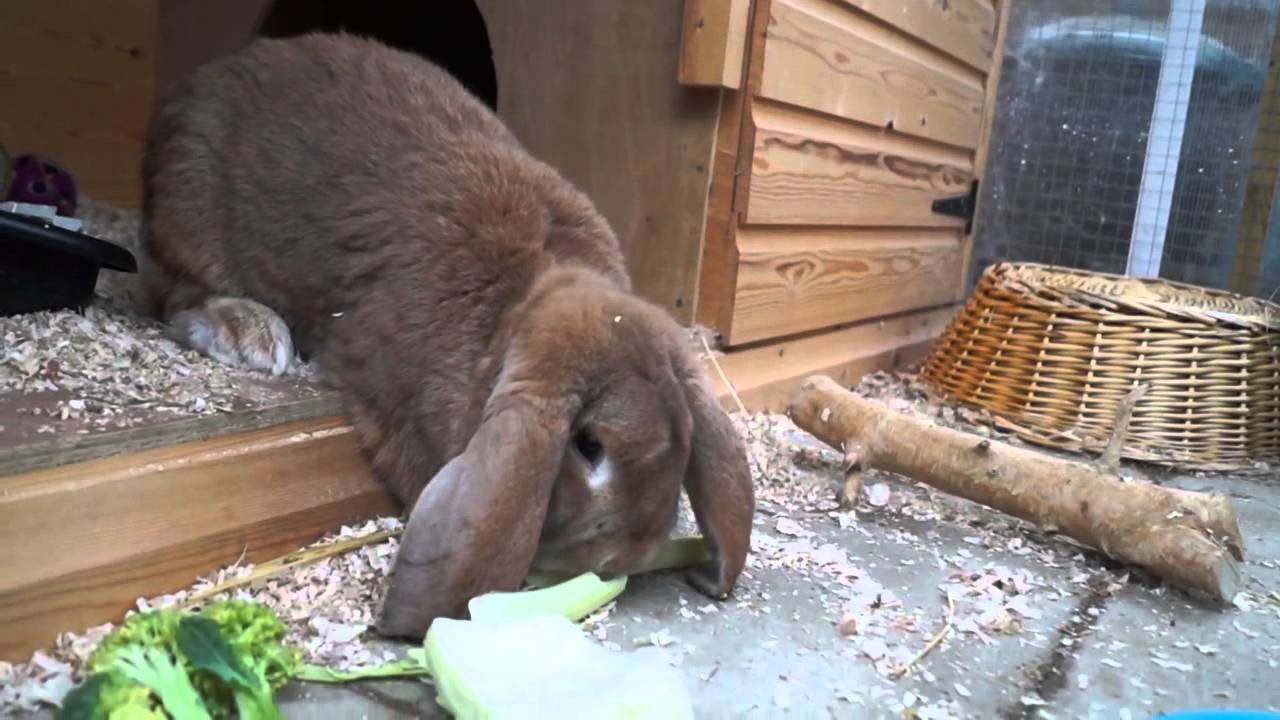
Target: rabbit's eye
587	446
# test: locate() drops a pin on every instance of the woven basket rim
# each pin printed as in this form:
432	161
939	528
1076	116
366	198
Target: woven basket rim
1155	296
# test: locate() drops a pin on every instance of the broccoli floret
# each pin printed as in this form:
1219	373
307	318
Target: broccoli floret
252	630
156	669
258	636
111	696
130	701
155	628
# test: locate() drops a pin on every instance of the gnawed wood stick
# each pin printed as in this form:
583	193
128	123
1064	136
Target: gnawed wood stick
1110	459
1184	537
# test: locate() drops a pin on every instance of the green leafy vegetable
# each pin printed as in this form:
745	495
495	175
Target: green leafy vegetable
154	628
155	669
232	656
201	641
110	696
258	636
243	636
573	600
562	673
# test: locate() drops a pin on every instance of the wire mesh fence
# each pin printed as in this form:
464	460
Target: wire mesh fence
1140	137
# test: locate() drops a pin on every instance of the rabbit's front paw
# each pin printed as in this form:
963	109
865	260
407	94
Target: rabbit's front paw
236	331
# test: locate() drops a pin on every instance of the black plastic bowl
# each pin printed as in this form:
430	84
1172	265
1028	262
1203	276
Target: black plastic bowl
45	267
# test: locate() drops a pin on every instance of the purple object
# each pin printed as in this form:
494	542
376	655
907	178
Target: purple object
42	181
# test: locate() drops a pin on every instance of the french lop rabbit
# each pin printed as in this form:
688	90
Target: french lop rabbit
330	196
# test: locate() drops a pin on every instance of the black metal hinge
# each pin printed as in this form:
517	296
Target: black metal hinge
961	206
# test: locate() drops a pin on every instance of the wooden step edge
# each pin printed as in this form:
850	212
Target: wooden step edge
83	542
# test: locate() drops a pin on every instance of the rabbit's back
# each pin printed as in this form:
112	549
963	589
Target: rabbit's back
385	214
306	172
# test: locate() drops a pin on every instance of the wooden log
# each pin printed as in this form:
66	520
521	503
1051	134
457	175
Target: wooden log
1186	538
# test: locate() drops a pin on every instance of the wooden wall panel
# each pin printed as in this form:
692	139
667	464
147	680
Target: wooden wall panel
823	57
76	82
603	106
810	170
797	280
963	29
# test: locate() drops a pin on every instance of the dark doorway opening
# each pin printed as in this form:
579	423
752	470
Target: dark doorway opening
450	33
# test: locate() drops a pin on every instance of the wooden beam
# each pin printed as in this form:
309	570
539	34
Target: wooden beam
713	43
82	542
1165	137
765	376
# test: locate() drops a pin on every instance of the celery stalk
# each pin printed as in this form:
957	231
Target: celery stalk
573	600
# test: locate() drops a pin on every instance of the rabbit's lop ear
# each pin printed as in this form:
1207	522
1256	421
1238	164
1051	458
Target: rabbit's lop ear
718	482
475	527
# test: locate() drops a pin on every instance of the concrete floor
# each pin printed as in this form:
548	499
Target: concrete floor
1092	640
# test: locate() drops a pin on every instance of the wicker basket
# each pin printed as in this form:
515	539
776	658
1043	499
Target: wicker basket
1050	352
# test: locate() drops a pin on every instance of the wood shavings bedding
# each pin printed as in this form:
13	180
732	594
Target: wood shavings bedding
67	372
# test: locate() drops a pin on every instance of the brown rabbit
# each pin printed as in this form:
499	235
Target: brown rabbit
355	201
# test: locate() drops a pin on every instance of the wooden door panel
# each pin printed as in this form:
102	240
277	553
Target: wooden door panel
856	116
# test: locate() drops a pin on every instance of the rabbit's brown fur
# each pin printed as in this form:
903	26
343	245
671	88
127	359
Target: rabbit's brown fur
473	306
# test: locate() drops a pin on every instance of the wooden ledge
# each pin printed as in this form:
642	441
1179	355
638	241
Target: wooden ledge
82	542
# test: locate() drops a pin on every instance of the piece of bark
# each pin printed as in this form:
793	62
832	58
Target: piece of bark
1184	537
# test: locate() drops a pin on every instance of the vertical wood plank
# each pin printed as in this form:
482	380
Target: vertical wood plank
730	178
713	43
1260	192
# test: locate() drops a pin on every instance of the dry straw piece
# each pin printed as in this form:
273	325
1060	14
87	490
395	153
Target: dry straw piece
1051	353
